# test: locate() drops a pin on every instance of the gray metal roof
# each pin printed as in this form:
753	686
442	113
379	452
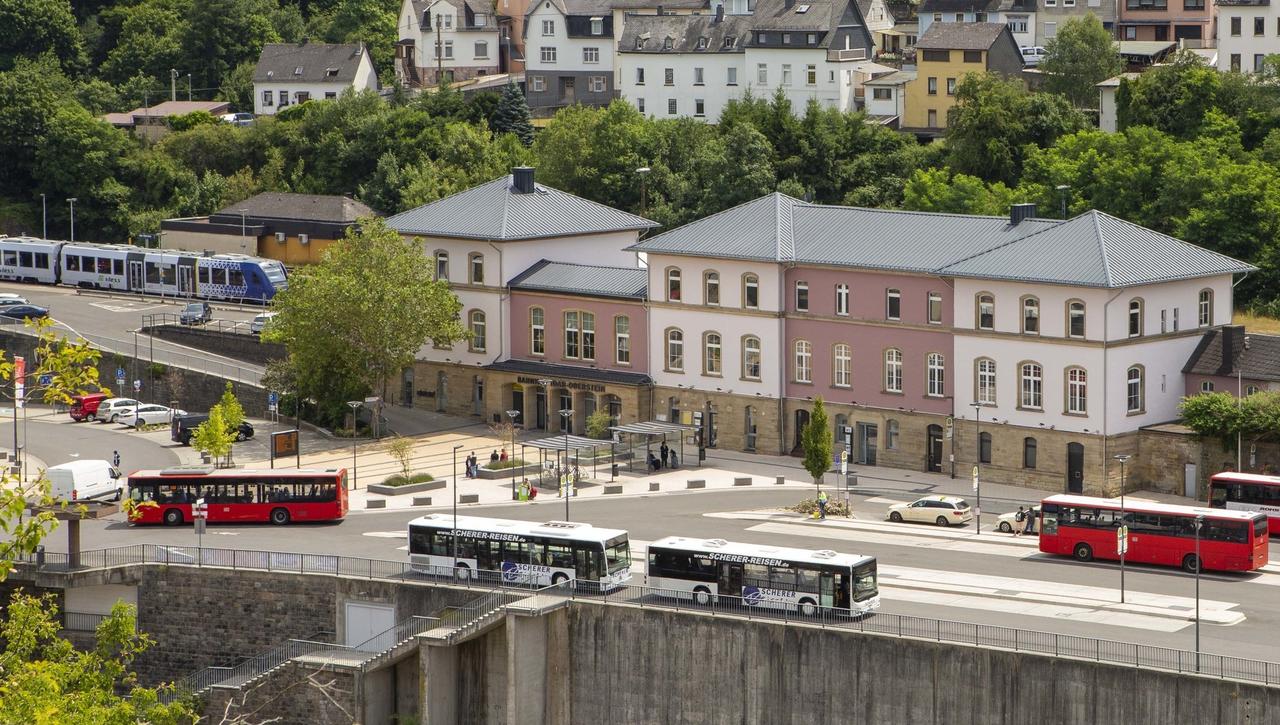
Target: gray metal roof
961	36
1093	249
584	279
685	32
1096	250
566	442
308	62
496	211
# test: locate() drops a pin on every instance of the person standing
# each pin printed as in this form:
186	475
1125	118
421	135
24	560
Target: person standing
666	453
1031	522
822	504
1020	520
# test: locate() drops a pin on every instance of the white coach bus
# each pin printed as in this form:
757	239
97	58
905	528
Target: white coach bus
525	552
768	577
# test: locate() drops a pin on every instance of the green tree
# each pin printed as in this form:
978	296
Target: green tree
213	437
237	87
512	115
357	318
598	425
940	191
149	40
1080	56
817	442
401	451
33	28
372	22
222	34
46	680
1173	98
232	411
30	94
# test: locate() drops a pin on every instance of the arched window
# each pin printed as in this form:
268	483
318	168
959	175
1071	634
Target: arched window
537	331
1206	307
475	264
1135	389
1135	317
893	370
1028	452
985	371
572	335
673	284
750	291
711	288
984	447
986	311
804	362
1077	391
477	331
1032	386
1030	316
711	354
1075	319
675	350
936	365
622	340
751	357
842	355
588	336
442	265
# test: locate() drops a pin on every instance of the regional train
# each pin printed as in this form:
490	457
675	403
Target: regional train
125	268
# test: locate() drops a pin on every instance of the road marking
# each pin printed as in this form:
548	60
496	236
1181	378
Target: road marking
124	306
883	500
1033	609
874	537
387	534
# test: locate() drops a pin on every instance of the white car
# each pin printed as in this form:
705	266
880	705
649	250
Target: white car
148	414
237	119
10	299
1008	522
1032	55
261	321
940	510
109	410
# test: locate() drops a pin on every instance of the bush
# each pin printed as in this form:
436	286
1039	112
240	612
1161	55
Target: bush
809	505
504	465
598	425
400	480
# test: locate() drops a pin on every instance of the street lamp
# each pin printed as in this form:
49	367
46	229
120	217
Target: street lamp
568	475
643	172
1122	534
1197	523
454	537
546	400
512	415
244	237
1063	191
1239	402
44	217
977	468
355	405
72	201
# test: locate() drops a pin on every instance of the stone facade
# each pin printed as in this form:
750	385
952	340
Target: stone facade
730	417
295	694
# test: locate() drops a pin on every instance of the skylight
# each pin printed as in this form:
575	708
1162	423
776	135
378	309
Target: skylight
802	9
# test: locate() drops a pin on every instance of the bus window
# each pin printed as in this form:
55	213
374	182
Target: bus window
617	555
864	582
1218	496
560	555
587	563
419	541
755	575
1233	531
807	580
782	578
1260	527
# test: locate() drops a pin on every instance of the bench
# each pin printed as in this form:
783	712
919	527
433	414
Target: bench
696	484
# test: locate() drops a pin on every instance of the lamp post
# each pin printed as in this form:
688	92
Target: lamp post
1063	190
44	217
643	173
977	468
244	237
512	415
1197	523
355	405
546	400
454	536
568	475
1122	534
72	201
1239	402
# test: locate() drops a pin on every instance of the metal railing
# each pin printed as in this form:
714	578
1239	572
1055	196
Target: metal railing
81	621
169	319
501	591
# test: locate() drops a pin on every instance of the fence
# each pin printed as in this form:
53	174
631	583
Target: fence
473	616
168	319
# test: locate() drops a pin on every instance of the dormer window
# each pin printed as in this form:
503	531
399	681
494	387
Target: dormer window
702	43
667	43
330	72
802	9
729	41
597	26
640	41
481	20
297	71
760	38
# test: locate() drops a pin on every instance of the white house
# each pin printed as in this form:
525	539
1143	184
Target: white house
886	96
1248	31
1019	15
287	73
458	39
569	48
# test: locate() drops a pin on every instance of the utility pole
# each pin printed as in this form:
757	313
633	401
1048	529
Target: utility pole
72	201
188	86
44	218
173	84
439	52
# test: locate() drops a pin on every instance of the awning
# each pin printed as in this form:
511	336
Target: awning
563	443
653	428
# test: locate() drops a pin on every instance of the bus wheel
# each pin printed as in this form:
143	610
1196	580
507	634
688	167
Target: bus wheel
1191	564
1083	552
462	571
279	516
173	517
702	596
942	521
558	579
808	607
1005	527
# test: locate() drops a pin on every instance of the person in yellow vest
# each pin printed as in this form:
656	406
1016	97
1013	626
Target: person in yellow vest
822	504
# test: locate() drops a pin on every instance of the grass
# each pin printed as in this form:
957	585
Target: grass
399	480
1257	323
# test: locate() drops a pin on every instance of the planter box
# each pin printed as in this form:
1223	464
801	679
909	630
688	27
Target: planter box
380	489
696	484
375	503
612	489
742	481
780	480
469	498
655	486
502	473
421	500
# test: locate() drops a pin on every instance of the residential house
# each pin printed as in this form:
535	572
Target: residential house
1248	31
1019	15
886	96
292	228
1052	14
892	23
483	239
1107	114
289	73
1187	21
1228	360
944	53
571	54
152	122
449	40
683	65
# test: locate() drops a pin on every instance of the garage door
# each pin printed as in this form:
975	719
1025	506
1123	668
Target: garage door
364	621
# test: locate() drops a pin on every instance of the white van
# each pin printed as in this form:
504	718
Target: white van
82	480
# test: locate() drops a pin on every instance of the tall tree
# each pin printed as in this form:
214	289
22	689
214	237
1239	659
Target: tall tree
512	115
33	28
1080	56
817	442
1174	98
221	34
356	319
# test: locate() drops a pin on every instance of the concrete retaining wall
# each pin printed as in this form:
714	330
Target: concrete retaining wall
245	347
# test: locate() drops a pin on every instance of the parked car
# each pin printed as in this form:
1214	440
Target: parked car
261	321
23	311
148	414
196	313
182	427
83	407
13	300
1032	55
1009	521
940	510
237	119
109	410
82	480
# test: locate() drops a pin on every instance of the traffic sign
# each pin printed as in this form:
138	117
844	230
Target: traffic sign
137	385
119	376
46	379
19	379
272	397
975	479
1122	540
200	509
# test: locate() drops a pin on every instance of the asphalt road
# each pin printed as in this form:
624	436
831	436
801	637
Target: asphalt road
55	439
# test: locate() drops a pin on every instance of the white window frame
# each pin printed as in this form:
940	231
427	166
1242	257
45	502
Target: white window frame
548	27
622	339
752	357
1135	390
1077	391
803	361
986	374
674	343
537	331
591	55
712	354
842	299
893	370
841	371
936	364
1031	390
802	295
547	54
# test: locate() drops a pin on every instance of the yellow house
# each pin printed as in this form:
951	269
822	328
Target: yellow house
944	54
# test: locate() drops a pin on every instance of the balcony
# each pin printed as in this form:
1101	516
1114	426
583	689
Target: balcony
843	55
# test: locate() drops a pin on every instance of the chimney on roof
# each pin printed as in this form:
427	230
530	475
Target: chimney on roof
522	178
719	13
1018	212
659	9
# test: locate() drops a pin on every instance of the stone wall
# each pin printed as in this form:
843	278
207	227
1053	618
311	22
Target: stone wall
241	346
295	694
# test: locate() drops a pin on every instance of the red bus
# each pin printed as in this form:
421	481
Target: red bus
1246	492
1085	527
278	496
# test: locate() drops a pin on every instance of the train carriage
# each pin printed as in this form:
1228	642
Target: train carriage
28	259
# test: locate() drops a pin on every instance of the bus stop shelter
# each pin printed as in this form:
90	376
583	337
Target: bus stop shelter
564	443
651	430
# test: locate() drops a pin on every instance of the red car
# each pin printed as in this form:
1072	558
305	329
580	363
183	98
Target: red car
84	406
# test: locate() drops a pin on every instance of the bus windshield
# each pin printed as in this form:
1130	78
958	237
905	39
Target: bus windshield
1260	527
617	554
864	582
